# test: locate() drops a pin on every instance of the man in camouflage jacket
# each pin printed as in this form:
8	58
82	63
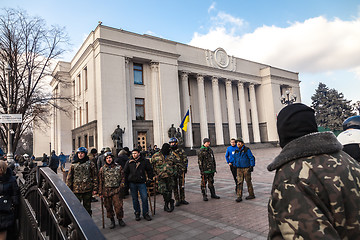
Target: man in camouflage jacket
207	166
82	178
111	187
181	163
164	168
316	189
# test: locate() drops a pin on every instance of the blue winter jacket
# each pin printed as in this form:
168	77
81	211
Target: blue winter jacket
229	155
244	158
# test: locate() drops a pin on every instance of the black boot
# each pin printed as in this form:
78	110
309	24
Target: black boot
184	202
177	204
213	194
137	216
171	208
112	224
121	223
204	195
166	206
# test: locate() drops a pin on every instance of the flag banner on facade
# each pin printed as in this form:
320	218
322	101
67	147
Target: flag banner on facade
185	121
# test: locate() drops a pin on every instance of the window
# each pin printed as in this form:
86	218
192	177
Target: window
80	117
140	108
73	85
73	144
79	84
248	90
74	119
86	112
79	142
86	78
91	141
86	141
138	74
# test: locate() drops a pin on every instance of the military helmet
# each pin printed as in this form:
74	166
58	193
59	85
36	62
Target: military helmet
107	149
82	149
173	140
352	122
108	154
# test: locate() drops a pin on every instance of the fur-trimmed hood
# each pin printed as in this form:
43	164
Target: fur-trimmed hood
311	144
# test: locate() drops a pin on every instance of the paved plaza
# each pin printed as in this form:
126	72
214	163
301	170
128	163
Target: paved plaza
216	219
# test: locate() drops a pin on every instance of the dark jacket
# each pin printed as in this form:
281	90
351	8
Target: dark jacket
135	170
243	158
316	189
9	191
121	160
54	161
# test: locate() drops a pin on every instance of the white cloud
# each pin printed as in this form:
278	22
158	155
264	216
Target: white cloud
315	45
212	7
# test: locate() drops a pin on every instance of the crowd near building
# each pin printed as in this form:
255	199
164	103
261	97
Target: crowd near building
145	84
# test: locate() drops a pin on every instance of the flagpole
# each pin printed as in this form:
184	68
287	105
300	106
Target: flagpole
190	129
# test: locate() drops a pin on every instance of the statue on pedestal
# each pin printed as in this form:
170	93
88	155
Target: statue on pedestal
172	131
117	137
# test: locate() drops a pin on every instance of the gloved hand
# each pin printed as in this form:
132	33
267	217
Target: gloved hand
251	169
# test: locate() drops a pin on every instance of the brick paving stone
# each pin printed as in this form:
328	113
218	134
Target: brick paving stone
199	219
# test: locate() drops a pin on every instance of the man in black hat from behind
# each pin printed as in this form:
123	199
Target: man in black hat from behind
316	189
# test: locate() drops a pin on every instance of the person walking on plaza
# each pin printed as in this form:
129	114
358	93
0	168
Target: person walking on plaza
54	162
121	160
111	185
181	163
164	167
350	137
62	159
244	161
207	166
93	158
101	157
135	171
229	156
316	188
9	200
82	178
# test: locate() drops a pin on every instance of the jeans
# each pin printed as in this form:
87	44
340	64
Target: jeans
135	188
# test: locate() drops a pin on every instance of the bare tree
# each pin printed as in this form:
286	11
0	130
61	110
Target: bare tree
30	48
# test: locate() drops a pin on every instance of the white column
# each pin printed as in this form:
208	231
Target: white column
202	108
128	135
243	113
156	103
186	104
254	114
230	107
217	112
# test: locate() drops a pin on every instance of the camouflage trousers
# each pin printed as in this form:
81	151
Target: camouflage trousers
114	202
207	178
165	187
243	173
179	186
85	198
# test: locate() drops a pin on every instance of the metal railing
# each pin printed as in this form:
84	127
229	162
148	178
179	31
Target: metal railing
49	210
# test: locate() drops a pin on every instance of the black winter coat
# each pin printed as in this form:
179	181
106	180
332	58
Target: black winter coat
135	170
10	189
121	160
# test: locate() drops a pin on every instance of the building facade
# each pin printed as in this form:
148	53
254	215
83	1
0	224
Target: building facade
145	84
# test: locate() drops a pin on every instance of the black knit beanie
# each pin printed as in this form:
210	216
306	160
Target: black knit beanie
294	121
165	149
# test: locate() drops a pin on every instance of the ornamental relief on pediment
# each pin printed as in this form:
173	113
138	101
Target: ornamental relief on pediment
220	59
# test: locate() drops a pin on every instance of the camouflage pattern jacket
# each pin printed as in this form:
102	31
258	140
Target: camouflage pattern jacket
181	160
82	176
206	160
111	180
164	167
316	191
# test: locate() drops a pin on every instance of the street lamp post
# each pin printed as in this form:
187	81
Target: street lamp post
10	156
289	99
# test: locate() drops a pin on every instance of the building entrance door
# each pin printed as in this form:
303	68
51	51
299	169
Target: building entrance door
142	140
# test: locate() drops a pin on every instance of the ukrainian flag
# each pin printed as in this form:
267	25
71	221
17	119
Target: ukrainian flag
185	121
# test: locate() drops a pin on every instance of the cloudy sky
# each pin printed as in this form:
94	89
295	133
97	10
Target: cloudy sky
319	39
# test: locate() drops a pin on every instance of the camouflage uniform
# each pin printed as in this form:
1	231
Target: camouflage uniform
207	166
165	171
181	163
111	186
316	189
82	180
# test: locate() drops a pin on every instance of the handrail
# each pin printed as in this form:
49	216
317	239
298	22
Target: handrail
53	209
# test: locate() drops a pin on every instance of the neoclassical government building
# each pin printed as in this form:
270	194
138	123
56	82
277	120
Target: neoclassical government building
145	84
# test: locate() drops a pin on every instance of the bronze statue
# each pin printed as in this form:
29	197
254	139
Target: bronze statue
172	131
117	137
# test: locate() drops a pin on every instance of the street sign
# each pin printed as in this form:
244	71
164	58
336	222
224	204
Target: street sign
10	118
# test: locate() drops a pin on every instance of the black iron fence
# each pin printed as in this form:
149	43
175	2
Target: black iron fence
49	210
